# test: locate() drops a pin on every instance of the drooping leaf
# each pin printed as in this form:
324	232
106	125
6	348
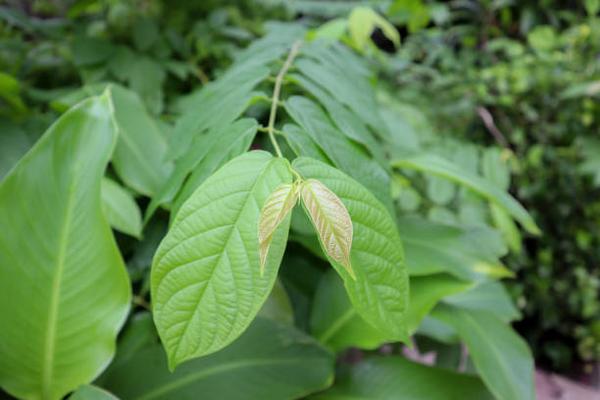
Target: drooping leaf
269	361
331	221
380	291
90	392
59	265
120	208
206	280
438	166
396	378
501	357
277	207
140	152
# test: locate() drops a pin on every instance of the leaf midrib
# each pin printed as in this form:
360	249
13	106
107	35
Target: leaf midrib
204	373
49	345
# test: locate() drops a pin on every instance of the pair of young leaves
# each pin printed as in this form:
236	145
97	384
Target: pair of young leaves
218	263
327	213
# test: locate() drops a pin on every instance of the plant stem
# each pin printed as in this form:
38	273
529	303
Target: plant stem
276	91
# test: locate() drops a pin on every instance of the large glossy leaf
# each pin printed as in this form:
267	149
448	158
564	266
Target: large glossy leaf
433	247
120	208
141	149
395	378
206	280
380	291
435	165
206	154
269	361
501	357
346	155
65	291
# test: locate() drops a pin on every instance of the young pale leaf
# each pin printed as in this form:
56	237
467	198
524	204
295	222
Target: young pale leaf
277	207
206	280
380	291
331	220
65	291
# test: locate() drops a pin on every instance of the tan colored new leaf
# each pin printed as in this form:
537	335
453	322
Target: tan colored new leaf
276	208
331	220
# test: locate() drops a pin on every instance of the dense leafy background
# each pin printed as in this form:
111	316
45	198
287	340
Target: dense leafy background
450	109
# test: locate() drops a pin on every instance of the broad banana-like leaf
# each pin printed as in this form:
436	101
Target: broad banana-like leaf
206	280
64	290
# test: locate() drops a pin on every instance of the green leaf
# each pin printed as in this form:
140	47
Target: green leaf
441	167
501	357
90	392
216	148
206	280
363	21
207	153
278	306
13	144
276	209
138	157
380	291
468	253
215	105
490	297
59	265
336	324
120	208
346	155
269	361
331	221
395	378
426	292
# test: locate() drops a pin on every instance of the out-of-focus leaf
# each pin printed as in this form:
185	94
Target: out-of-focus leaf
90	392
120	208
269	361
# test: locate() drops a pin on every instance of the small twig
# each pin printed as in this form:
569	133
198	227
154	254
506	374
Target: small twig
488	121
276	91
139	301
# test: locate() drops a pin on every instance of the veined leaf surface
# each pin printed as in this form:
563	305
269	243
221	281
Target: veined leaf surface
331	221
65	291
206	280
380	291
277	207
